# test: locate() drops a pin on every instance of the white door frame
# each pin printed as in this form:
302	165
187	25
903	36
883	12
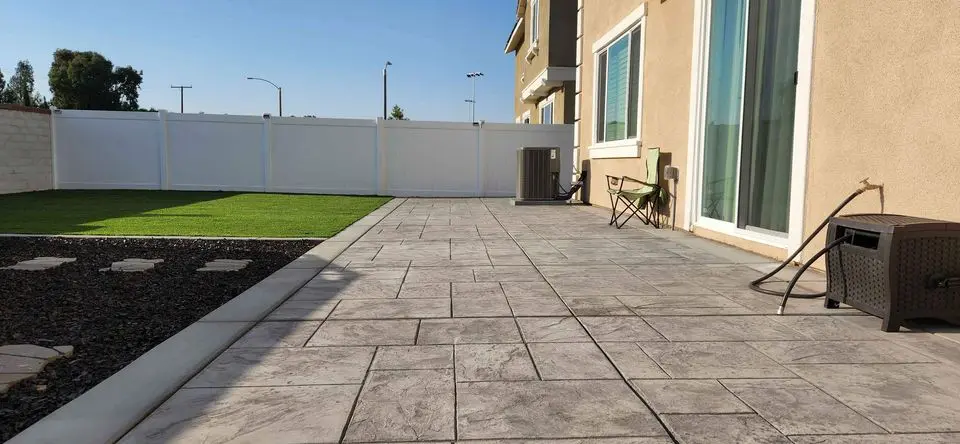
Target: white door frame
698	83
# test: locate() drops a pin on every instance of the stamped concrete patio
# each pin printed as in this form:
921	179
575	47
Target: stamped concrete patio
468	319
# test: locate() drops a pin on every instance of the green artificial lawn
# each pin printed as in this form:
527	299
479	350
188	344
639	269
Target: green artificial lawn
181	213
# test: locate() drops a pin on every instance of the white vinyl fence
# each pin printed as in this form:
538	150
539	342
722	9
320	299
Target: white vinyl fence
138	150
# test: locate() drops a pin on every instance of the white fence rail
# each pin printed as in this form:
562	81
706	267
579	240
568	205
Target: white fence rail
133	150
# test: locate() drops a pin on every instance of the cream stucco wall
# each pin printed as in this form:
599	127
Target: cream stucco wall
666	89
556	25
26	153
885	104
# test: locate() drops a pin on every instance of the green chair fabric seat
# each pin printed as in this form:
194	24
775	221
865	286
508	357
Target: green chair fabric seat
640	198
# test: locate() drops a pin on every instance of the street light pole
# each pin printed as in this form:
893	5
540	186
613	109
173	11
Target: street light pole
471	109
473	112
385	65
279	91
181	88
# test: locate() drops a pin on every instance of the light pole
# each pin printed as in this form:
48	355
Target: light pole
385	65
473	109
279	91
181	88
470	101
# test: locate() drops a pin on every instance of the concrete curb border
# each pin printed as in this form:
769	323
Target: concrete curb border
110	409
111	236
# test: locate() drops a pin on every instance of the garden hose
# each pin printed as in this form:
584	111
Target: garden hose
807	264
756	284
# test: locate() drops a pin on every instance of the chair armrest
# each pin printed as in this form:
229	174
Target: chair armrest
615	182
630	179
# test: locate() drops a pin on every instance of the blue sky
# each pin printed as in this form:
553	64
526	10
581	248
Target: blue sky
326	54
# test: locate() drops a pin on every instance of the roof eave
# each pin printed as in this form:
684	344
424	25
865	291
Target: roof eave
516	37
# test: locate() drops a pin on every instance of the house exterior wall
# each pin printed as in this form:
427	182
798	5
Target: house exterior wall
555	48
562	23
666	90
885	104
26	153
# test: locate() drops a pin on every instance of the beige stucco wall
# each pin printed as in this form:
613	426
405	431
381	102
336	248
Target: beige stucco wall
525	71
559	22
26	154
885	103
666	89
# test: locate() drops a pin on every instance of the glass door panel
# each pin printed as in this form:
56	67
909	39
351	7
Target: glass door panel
749	112
723	105
770	103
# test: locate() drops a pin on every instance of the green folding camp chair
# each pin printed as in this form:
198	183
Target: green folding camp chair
639	198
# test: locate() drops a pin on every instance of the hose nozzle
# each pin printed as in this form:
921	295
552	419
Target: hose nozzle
865	185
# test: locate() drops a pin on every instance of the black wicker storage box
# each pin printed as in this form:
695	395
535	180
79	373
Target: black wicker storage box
895	267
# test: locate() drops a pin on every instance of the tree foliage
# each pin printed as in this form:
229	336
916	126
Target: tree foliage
397	114
88	80
19	89
6	95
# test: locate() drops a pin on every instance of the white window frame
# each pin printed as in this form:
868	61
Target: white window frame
545	103
629	147
535	22
791	240
534	33
525	119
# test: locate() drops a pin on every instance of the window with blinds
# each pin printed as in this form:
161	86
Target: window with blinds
618	87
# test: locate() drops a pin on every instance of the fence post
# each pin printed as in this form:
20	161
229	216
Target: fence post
481	168
267	153
164	151
54	112
380	156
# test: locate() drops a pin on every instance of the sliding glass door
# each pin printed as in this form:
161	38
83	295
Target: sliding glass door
749	112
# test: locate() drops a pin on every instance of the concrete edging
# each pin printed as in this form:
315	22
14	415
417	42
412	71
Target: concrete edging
110	409
111	236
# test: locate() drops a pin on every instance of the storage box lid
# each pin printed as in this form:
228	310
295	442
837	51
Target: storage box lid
888	223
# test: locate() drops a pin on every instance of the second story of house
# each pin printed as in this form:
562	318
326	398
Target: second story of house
543	40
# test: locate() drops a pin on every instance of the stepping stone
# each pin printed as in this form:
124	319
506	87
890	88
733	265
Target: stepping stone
7	380
225	265
20	364
133	265
29	351
40	263
22	361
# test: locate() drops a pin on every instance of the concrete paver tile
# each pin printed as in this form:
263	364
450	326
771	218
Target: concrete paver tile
469	331
369	332
580	360
552	409
248	414
399	405
494	362
285	366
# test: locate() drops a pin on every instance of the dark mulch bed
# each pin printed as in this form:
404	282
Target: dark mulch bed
111	318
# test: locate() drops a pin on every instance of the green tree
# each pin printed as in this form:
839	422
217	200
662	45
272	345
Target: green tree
87	80
6	96
397	113
127	87
21	85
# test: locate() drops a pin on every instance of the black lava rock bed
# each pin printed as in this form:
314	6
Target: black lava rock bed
111	318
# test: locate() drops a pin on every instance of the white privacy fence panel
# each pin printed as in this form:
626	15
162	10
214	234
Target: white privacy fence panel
330	156
106	149
207	152
499	143
430	158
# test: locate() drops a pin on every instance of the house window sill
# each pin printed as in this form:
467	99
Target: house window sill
532	51
617	149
